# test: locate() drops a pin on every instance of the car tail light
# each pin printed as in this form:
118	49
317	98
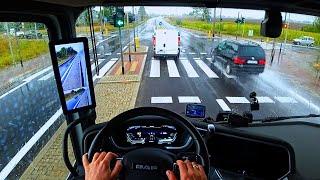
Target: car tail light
179	41
154	40
238	60
262	62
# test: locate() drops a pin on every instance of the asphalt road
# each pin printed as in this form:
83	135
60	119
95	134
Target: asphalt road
195	79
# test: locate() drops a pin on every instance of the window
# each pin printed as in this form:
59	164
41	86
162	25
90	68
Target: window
28	95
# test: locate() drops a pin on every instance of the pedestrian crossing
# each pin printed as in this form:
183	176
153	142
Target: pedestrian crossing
174	71
222	102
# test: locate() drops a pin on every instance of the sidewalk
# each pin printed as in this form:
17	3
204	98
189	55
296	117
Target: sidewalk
114	93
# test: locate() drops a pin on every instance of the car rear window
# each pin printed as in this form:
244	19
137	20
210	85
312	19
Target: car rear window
251	51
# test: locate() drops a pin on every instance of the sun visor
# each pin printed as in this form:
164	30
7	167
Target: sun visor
271	26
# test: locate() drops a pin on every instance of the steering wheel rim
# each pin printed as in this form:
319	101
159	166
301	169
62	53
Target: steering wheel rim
105	132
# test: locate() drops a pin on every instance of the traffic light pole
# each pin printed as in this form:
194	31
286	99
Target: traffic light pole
122	63
134	30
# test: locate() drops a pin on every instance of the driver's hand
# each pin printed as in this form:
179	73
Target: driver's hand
99	168
188	171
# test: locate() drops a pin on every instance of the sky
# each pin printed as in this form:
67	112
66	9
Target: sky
226	12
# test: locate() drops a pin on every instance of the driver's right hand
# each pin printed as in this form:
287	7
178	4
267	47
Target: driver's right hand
188	171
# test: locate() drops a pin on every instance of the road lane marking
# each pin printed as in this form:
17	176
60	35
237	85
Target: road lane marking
134	66
25	149
285	99
196	58
106	68
206	69
209	59
93	66
155	68
118	53
183	58
189	99
237	100
113	59
188	67
107	54
192	53
264	99
46	77
161	100
223	105
27	80
30	78
98	54
172	68
203	53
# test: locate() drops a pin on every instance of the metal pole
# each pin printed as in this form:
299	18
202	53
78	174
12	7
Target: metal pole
134	30
244	23
280	50
35	30
237	28
129	48
10	45
220	23
214	22
122	63
101	20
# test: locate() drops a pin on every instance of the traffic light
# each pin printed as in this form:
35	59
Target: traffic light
118	18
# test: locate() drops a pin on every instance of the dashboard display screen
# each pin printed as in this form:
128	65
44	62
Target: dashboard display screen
151	134
195	111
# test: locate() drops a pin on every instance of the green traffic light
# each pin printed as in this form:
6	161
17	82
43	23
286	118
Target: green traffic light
120	22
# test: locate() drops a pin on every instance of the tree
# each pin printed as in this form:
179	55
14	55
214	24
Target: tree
202	13
142	14
316	24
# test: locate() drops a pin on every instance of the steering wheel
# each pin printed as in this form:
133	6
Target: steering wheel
149	162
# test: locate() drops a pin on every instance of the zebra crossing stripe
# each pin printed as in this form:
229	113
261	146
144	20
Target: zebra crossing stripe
206	69
155	68
161	100
189	99
223	105
172	69
188	67
237	100
285	99
264	99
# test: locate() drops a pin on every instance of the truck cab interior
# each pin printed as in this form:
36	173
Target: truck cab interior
150	139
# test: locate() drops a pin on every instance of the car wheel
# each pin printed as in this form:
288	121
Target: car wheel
228	69
298	43
311	45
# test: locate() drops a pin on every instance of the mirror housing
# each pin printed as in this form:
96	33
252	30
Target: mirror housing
271	26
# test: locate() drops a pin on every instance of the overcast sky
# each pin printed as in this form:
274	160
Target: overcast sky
226	12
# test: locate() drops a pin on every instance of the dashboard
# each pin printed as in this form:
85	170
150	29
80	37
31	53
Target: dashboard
163	134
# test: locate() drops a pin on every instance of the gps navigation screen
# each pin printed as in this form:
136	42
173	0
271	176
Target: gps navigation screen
73	73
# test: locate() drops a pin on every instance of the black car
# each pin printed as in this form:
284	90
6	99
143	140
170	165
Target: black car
33	35
240	57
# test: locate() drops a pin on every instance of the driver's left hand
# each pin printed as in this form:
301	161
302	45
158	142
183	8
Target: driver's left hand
99	168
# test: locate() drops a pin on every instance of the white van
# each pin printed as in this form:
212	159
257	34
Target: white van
166	43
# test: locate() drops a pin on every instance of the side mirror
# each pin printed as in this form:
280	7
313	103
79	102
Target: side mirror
271	26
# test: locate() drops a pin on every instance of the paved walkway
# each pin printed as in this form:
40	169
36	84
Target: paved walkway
119	89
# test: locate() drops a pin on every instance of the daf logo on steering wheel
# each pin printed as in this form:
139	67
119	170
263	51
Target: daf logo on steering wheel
146	167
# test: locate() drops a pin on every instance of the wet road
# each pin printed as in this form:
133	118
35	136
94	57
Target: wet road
195	79
27	107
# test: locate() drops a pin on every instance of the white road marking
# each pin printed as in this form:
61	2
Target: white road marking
12	90
106	68
155	68
264	99
107	54
206	69
93	66
192	53
118	53
161	100
30	78
46	77
209	59
98	54
203	53
188	67
237	100
196	58
223	105
113	59
285	99
25	149
183	58
172	69
189	99
27	80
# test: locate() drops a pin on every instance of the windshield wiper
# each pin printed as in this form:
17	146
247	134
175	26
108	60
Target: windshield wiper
280	118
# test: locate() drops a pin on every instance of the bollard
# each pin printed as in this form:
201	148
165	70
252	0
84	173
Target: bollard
137	42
